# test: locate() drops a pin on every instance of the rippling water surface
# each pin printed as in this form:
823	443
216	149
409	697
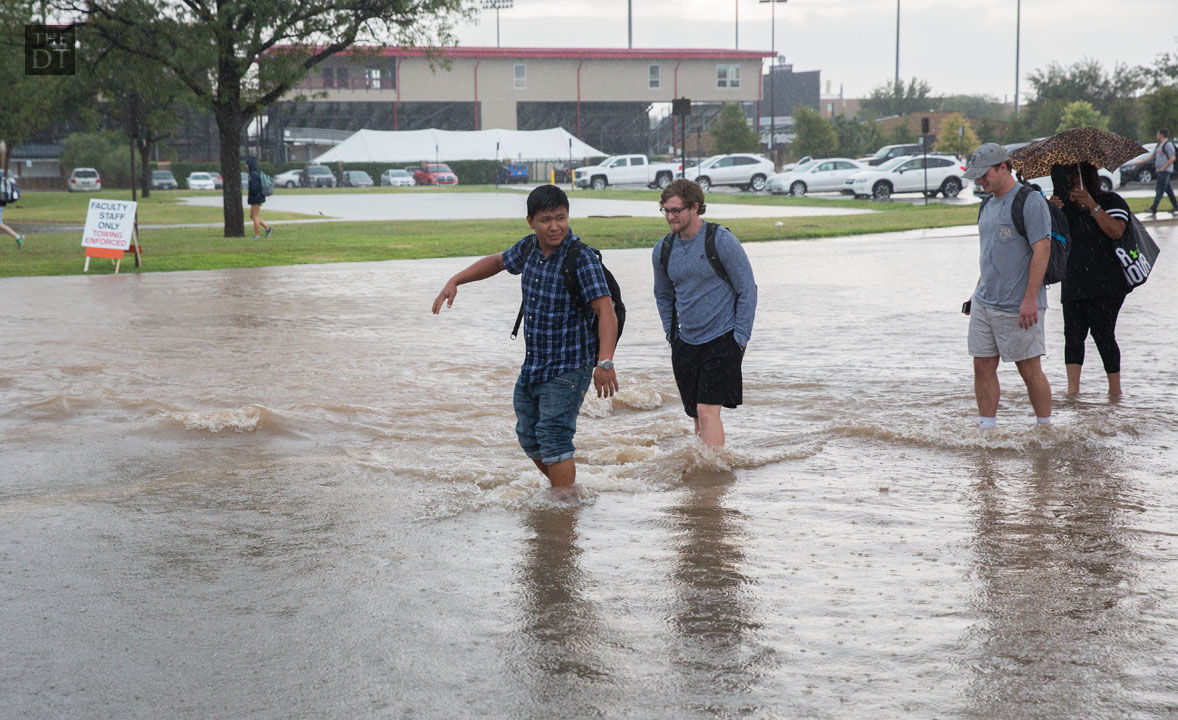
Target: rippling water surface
293	492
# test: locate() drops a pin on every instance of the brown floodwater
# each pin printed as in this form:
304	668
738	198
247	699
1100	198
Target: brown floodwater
294	492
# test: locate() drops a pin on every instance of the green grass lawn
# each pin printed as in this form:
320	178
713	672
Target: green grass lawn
204	248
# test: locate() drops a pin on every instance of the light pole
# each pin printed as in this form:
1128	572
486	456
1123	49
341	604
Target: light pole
1018	20
497	5
897	42
772	78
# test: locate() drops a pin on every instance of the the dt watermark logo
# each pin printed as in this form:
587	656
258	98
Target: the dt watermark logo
49	50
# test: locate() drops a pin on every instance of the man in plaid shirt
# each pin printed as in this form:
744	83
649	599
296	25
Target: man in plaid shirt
563	352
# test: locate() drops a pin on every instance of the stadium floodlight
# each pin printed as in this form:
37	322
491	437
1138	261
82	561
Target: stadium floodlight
497	5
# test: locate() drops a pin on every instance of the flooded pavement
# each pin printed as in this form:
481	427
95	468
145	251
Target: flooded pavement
293	492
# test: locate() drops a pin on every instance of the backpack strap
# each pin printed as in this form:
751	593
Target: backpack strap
713	256
568	271
519	318
710	251
1016	209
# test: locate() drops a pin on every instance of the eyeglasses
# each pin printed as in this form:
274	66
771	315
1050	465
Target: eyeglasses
672	212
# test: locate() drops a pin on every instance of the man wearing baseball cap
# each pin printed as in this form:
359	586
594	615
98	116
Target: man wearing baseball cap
1007	307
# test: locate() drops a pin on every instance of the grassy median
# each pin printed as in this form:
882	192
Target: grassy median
204	248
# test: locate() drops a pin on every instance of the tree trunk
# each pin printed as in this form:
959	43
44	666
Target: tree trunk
229	131
144	167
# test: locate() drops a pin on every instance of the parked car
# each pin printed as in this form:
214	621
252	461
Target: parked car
626	170
355	178
795	165
511	173
163	180
218	181
83	179
288	179
906	174
825	175
201	181
744	170
245	181
1139	169
397	178
318	176
434	174
887	152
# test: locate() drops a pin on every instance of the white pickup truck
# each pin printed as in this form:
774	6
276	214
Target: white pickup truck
626	170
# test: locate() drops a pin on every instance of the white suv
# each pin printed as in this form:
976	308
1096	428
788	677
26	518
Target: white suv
744	170
906	174
82	179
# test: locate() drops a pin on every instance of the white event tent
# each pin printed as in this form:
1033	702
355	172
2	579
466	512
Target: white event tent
446	145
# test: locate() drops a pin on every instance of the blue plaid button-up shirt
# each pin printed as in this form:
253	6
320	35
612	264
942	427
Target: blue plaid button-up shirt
559	338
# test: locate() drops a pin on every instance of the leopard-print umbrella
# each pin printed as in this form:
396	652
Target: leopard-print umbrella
1086	144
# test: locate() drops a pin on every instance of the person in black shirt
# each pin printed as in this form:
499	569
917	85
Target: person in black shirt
1094	286
256	197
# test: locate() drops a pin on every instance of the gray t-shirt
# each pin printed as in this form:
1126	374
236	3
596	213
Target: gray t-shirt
1005	255
1162	154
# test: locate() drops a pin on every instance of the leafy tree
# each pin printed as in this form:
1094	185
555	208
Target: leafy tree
856	138
125	81
894	98
975	106
1163	72
1161	110
813	134
106	151
1081	114
901	135
237	58
731	132
1125	117
27	102
988	131
1056	86
956	136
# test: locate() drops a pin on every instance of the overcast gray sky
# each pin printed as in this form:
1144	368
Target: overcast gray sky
957	46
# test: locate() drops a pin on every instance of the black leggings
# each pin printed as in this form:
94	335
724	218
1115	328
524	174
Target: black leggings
1098	315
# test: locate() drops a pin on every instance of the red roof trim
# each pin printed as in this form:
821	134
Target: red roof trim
565	53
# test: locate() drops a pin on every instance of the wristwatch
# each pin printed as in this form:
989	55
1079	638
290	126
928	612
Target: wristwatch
606	364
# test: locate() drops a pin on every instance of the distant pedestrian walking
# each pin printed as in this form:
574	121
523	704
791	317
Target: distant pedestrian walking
9	192
256	198
1163	162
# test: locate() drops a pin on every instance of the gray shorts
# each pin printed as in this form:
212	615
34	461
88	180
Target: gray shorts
996	333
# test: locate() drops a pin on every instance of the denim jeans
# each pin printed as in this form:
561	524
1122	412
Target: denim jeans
1162	187
546	414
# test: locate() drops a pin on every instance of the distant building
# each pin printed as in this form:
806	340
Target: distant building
604	96
784	90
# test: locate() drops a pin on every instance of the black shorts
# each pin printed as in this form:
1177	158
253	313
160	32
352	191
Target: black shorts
708	373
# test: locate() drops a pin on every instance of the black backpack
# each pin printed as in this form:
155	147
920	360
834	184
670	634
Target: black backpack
712	254
1061	236
569	272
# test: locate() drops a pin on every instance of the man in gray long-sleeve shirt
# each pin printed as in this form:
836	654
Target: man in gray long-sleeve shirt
707	306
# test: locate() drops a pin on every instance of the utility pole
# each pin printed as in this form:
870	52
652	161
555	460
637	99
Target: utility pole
1018	19
772	76
897	42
